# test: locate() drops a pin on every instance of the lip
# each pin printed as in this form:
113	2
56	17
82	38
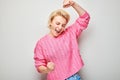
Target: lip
57	30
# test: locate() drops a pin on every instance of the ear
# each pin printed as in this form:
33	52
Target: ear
49	26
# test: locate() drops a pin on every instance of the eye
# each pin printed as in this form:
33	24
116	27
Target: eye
63	25
57	23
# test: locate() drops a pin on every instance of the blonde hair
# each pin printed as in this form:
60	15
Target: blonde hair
58	12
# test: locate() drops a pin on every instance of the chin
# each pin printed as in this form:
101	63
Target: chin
56	35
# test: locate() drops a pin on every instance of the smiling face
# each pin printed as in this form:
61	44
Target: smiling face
57	22
57	26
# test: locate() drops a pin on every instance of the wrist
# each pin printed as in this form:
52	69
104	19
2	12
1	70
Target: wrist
73	3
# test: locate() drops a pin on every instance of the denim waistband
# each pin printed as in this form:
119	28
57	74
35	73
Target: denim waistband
76	76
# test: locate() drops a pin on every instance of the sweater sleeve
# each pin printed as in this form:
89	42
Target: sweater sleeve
38	56
80	24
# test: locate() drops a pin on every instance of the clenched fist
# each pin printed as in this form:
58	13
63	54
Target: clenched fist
67	3
50	66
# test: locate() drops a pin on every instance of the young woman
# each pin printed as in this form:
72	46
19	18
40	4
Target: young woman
57	53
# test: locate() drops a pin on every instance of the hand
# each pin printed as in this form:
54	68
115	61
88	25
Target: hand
50	66
68	3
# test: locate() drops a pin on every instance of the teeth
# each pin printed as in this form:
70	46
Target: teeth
57	30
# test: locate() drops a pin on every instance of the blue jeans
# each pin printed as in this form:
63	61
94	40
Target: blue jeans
74	77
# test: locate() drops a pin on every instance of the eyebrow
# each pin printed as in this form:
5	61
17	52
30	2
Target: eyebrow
59	22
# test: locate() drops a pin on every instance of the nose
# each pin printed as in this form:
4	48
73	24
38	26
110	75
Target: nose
60	27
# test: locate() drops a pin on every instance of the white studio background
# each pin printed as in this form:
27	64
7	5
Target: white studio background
23	22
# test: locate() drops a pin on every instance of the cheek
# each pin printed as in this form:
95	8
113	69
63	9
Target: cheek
63	29
54	26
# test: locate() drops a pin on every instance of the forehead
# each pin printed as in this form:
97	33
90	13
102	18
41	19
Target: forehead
59	19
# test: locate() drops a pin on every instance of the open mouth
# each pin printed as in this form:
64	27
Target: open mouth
57	30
